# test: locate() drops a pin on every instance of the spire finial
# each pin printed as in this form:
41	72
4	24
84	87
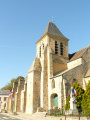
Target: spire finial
51	19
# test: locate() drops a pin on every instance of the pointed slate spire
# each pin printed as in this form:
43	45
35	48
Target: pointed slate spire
52	29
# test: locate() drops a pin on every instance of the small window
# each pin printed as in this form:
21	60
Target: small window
40	51
61	49
53	83
43	46
56	47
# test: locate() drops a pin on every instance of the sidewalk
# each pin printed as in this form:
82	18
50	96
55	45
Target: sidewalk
41	116
24	116
35	116
21	116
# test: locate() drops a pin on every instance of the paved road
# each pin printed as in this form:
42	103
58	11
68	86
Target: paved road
4	117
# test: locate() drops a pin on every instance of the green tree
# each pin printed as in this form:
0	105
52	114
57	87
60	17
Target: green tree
9	86
67	106
78	98
86	100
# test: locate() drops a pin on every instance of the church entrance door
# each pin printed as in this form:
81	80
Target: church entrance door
55	100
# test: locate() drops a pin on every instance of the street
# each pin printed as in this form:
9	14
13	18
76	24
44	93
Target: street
5	117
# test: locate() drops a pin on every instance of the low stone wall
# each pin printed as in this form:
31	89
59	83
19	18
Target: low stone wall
67	118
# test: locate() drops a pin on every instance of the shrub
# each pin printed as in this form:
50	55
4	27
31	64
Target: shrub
86	100
78	98
67	106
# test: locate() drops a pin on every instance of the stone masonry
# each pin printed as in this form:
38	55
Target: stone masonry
51	74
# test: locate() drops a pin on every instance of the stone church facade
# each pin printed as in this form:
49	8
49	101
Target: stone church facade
51	74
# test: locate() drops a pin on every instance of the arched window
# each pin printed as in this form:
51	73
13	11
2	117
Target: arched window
56	47
74	80
53	83
61	49
40	51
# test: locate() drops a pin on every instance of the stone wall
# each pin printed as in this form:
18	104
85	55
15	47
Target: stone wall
67	118
14	89
36	90
78	72
59	40
10	103
45	82
19	89
25	97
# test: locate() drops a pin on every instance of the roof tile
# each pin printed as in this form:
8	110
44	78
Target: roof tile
79	54
53	30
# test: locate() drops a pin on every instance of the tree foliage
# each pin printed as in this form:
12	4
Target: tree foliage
78	98
10	85
67	106
86	100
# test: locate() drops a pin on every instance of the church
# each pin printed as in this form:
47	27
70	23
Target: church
51	74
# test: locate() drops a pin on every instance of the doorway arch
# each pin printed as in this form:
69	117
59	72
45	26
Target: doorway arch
54	100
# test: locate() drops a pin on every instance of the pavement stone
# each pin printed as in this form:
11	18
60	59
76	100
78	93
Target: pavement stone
40	116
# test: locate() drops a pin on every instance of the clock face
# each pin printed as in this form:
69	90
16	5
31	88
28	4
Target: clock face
41	43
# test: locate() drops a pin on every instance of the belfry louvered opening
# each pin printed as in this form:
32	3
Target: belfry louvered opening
61	48
56	47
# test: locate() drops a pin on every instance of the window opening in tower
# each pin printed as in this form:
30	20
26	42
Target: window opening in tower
56	47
